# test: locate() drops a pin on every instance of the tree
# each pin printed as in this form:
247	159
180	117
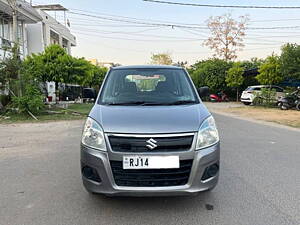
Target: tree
54	64
290	61
10	67
226	35
270	71
98	76
211	73
161	59
234	77
94	75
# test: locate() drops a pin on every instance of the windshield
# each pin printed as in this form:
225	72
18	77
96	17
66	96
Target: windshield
147	87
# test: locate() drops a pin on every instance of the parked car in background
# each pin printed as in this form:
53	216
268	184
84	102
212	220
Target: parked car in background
251	92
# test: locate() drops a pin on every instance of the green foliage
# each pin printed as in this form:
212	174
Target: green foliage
9	69
253	63
98	76
4	100
290	61
234	77
31	100
54	64
87	74
211	73
161	59
270	72
266	97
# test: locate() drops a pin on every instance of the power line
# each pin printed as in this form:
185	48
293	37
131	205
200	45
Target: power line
172	22
262	42
223	6
142	40
175	25
142	35
135	18
138	22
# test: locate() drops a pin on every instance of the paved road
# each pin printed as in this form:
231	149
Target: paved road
40	181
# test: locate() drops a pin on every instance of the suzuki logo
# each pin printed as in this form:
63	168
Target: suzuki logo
151	143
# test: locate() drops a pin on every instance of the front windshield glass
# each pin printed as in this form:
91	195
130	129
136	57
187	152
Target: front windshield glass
147	87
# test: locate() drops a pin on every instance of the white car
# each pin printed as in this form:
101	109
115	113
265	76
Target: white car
250	93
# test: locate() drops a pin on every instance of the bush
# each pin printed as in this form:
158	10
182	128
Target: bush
32	100
4	100
211	73
267	97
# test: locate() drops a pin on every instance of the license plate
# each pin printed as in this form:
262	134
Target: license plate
150	162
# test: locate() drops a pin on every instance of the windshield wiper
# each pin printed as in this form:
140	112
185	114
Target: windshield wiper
182	102
131	103
143	103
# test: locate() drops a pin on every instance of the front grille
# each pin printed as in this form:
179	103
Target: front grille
139	144
151	177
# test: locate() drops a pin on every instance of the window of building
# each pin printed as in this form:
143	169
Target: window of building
1	27
54	38
65	43
20	31
6	29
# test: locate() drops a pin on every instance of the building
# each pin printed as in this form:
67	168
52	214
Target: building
102	64
25	15
49	31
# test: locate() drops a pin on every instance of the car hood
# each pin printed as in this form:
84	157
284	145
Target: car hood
149	119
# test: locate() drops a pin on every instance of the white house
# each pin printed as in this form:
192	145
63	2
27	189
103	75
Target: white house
48	31
26	14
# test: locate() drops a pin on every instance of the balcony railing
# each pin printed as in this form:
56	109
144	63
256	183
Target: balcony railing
5	44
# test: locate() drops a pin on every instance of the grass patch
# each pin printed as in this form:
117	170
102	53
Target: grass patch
81	108
285	117
55	113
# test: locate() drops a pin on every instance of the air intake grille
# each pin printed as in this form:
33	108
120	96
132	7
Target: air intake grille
151	177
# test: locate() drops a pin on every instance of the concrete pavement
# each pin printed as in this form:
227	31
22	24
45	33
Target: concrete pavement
40	180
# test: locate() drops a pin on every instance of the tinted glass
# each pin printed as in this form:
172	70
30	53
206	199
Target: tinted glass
148	86
278	89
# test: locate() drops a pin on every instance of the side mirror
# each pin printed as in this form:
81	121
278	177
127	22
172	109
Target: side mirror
203	91
89	93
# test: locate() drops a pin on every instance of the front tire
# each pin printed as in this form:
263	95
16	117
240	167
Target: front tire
247	103
298	106
284	107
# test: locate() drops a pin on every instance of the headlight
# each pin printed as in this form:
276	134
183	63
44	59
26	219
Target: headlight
92	135
207	134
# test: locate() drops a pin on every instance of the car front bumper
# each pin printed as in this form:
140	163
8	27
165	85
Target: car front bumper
100	161
246	100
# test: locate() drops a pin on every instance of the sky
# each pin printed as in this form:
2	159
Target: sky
107	40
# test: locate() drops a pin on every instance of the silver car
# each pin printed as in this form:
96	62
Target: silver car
149	134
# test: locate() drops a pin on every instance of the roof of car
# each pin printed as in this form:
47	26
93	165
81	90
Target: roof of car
254	86
146	67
